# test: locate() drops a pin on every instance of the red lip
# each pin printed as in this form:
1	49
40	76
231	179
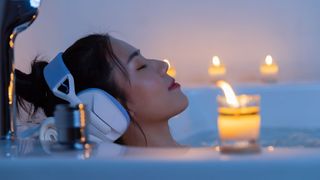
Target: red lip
173	85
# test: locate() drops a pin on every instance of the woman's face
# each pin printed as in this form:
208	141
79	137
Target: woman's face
152	95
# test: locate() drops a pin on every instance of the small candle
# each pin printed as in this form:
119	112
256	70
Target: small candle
269	70
216	69
171	70
238	121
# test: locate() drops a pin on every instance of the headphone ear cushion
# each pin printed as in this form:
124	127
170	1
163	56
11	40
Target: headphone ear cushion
107	115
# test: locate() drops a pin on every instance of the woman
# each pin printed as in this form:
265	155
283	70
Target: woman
141	85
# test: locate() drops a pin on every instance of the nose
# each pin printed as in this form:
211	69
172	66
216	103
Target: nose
163	67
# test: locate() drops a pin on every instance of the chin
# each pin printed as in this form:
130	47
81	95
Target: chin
183	104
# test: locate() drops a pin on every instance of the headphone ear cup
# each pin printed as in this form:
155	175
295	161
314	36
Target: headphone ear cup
107	115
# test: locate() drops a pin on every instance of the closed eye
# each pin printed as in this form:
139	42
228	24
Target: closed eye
141	67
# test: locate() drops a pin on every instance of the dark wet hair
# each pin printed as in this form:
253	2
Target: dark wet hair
91	62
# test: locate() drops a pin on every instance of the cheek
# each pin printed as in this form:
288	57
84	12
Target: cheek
144	92
148	97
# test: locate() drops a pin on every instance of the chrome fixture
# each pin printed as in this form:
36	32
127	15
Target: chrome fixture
15	16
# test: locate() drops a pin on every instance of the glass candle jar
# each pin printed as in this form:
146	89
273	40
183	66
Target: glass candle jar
239	127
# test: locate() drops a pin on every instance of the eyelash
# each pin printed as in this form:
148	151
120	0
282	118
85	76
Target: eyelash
142	67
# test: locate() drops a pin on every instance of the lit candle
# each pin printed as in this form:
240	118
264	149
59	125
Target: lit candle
171	70
216	69
238	121
269	70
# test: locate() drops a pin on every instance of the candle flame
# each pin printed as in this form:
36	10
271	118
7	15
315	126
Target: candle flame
229	93
269	60
167	61
216	61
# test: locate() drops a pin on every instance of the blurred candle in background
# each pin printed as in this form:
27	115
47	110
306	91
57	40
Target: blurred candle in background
269	70
216	69
171	70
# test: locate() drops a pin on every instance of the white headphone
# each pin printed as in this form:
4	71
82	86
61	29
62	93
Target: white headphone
108	118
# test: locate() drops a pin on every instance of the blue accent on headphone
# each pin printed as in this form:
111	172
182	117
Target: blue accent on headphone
60	80
57	70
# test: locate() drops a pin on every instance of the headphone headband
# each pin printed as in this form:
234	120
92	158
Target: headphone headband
60	80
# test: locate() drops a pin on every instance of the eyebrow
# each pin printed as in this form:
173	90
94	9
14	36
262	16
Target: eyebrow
134	54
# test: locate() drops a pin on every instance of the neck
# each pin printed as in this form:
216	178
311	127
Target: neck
154	135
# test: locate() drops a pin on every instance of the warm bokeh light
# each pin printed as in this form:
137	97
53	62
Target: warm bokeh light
269	60
270	148
229	93
171	70
269	70
12	37
216	61
168	62
11	88
217	148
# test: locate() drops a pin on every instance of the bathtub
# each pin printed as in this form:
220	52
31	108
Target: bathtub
289	140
